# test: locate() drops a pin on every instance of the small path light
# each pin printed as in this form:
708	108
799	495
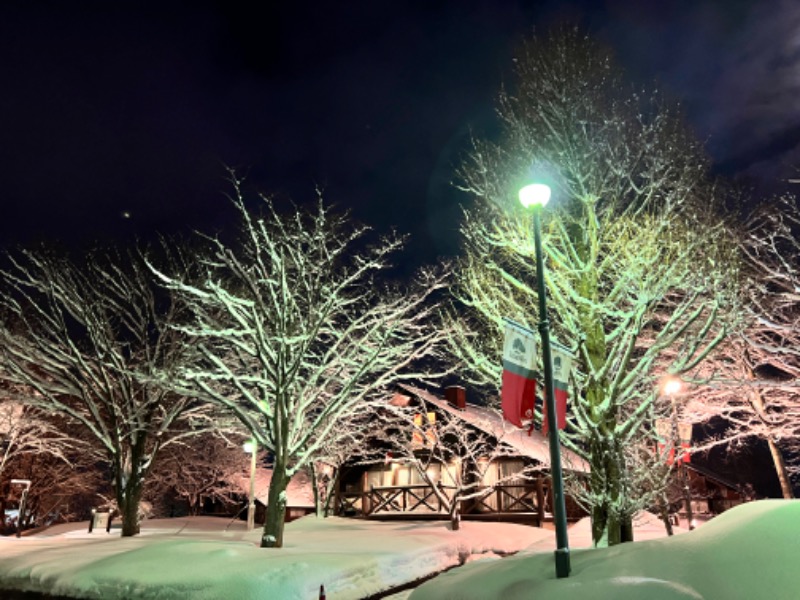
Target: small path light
251	448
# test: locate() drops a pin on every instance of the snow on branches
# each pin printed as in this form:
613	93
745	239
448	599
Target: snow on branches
640	266
751	383
89	338
295	329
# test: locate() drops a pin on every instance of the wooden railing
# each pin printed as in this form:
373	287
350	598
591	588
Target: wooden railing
404	498
501	499
509	498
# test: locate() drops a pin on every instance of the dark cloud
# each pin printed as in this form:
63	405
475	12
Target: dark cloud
757	92
735	66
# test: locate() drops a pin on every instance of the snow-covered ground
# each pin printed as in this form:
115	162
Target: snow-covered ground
749	552
197	558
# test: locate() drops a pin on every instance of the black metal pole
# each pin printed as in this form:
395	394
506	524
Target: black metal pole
559	507
680	466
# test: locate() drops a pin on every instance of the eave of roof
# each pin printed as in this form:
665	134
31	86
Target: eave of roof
707	473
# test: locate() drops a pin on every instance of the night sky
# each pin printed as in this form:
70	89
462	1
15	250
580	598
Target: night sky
118	118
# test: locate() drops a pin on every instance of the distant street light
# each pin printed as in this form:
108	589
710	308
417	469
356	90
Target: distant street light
672	385
537	195
251	448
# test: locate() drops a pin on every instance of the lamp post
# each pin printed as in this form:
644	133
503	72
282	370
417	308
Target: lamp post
251	448
681	434
537	195
26	483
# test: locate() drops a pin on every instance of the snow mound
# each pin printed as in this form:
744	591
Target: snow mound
747	552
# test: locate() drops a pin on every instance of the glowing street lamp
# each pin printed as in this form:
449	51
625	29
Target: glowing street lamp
671	386
534	194
537	195
251	448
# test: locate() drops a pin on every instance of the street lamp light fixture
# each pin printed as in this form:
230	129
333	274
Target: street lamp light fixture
537	195
534	194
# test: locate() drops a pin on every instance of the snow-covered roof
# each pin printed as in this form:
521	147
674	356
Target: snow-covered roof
530	443
299	493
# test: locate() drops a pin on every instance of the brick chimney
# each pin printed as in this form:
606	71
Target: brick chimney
456	396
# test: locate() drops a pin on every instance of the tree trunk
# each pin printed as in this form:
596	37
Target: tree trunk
626	529
332	495
129	493
664	510
777	457
129	510
780	469
605	526
272	536
606	483
319	508
455	516
129	486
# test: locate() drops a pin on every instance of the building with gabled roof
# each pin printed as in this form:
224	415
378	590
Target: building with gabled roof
514	486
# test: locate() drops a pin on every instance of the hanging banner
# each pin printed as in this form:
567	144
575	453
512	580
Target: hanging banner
518	392
562	370
685	436
665	445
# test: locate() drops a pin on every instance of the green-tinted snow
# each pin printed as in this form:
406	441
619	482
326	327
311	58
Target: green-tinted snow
750	552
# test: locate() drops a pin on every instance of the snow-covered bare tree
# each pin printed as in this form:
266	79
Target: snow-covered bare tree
87	338
199	469
34	444
638	263
753	381
62	488
350	442
295	330
645	482
26	430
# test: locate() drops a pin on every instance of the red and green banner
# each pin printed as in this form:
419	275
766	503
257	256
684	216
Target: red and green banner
665	446
562	369
518	393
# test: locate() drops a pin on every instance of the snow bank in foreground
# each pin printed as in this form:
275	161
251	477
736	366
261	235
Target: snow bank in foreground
748	552
198	559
